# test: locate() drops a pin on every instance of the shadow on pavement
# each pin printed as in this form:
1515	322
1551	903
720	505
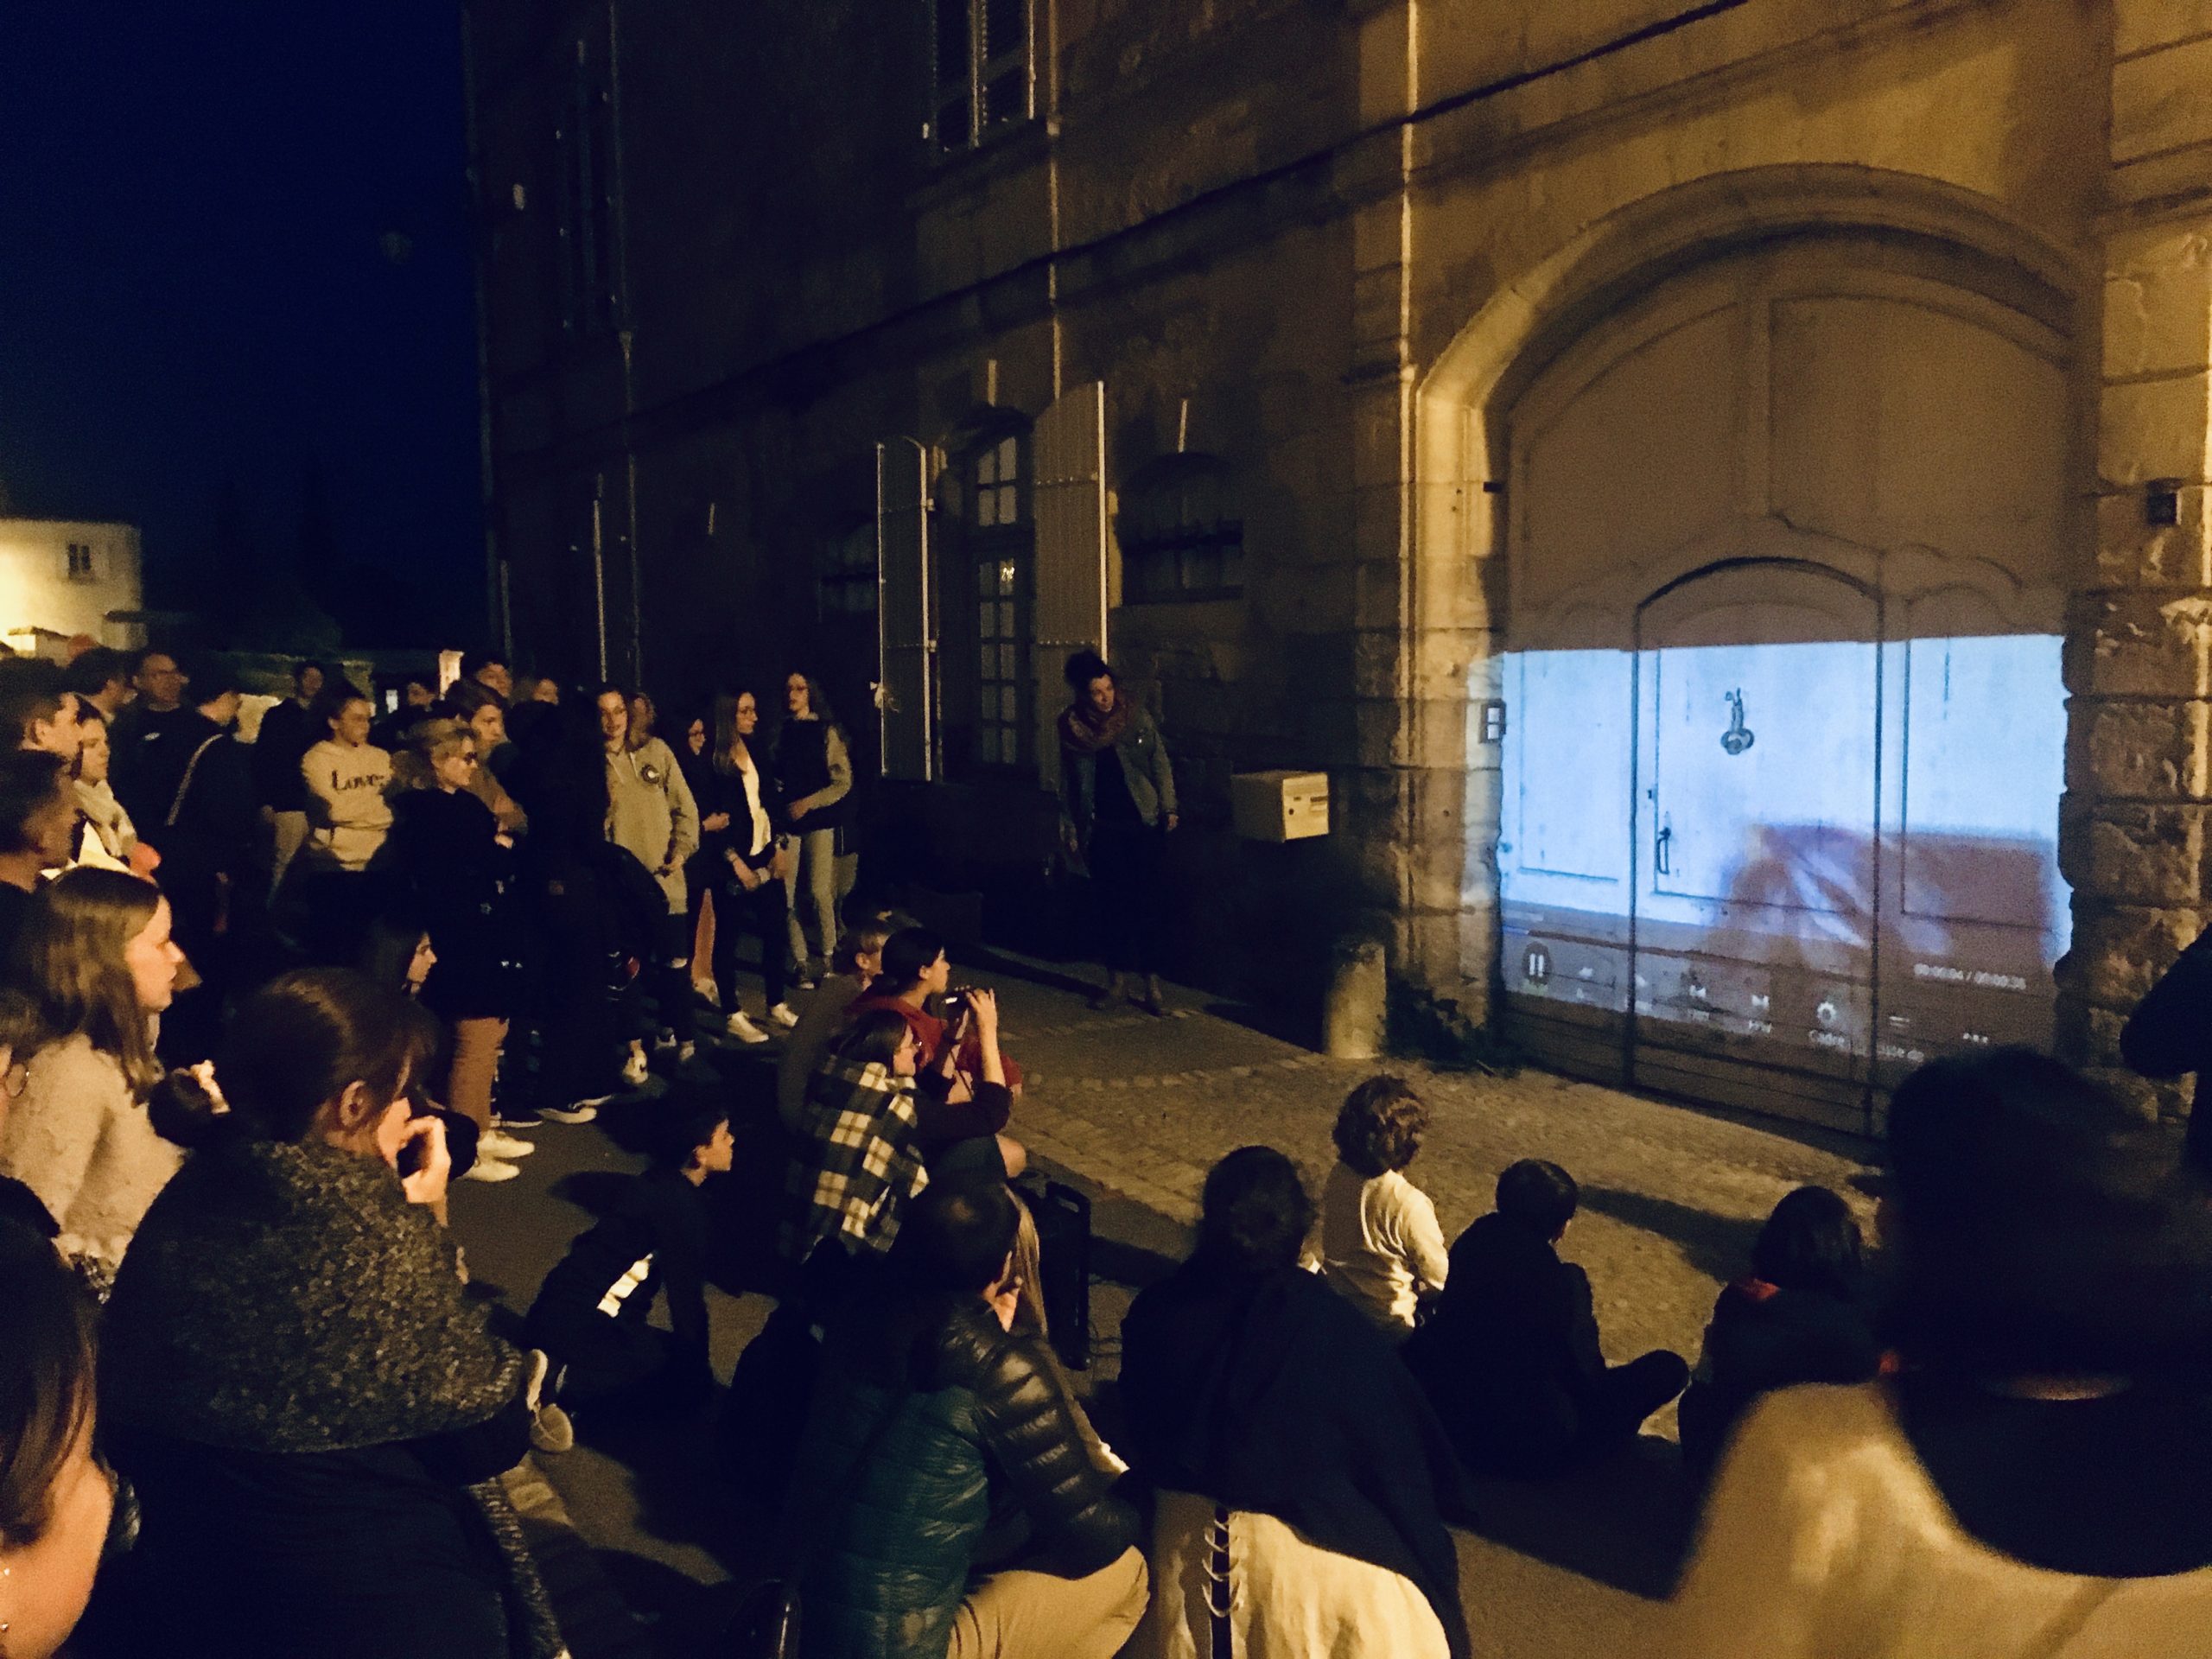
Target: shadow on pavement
1285	1024
1625	1521
1719	1245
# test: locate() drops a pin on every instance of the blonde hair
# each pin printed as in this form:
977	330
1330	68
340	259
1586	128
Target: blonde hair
72	954
415	766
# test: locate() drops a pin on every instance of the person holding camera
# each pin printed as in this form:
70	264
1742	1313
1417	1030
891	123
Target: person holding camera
965	1086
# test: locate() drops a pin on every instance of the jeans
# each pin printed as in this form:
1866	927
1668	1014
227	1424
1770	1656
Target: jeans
814	857
760	913
1125	879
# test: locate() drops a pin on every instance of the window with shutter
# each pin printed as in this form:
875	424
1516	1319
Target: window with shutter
905	625
1002	544
982	70
1070	601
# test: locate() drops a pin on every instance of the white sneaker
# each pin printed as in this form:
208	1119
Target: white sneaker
743	1029
492	1144
708	992
782	1014
636	1070
491	1169
582	1111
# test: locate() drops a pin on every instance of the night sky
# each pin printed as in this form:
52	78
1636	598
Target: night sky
204	283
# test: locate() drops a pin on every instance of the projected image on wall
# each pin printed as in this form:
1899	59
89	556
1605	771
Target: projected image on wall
1830	856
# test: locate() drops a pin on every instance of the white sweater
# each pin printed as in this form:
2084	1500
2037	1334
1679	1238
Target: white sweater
1825	1539
78	1140
1381	1245
347	812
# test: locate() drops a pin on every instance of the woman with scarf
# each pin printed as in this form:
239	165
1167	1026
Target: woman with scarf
1117	804
312	1414
1338	1546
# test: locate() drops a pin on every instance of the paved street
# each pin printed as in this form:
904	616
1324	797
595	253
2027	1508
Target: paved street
1134	1109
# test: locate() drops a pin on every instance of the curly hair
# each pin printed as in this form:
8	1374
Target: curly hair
1380	1126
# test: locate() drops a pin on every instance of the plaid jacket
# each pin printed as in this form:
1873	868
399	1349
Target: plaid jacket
857	1164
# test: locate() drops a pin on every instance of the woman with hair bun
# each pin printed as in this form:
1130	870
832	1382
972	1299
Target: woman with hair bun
96	951
313	1414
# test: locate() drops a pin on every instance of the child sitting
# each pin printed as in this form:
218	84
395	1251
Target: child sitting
1381	1246
1796	1318
591	1315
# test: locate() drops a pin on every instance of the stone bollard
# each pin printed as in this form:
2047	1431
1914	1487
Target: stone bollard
1352	1023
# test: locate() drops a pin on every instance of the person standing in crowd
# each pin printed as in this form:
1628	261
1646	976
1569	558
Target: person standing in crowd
1798	1316
109	838
489	670
347	779
1381	1248
38	832
479	710
695	755
961	1511
593	1313
287	731
21	1035
96	952
2032	1481
652	815
312	1414
101	678
1259	1401
814	780
749	886
418	697
1510	1356
444	860
206	839
538	687
858	1164
1117	802
138	732
56	1497
858	961
36	711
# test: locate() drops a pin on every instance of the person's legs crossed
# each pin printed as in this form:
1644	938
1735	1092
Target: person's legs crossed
1617	1403
1016	1615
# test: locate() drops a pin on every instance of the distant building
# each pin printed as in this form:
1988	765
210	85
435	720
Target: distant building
62	579
1721	489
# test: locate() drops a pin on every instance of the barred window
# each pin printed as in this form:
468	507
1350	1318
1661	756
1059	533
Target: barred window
982	57
1181	531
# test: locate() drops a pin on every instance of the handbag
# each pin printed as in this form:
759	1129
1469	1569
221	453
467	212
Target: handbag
768	1622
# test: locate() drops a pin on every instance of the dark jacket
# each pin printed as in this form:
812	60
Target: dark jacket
287	731
205	829
444	863
2170	1034
1763	1338
800	762
655	1239
1269	1393
1146	770
981	1467
143	770
1511	1352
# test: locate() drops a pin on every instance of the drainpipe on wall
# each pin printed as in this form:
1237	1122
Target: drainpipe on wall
628	335
499	612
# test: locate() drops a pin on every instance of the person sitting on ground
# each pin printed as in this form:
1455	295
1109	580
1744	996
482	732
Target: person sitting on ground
22	1032
96	954
1510	1354
1381	1248
1799	1317
1260	1400
858	1162
593	1313
916	969
56	1499
38	831
858	960
311	1412
959	1507
2031	1480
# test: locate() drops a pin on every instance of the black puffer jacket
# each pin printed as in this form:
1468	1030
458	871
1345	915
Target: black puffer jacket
981	1467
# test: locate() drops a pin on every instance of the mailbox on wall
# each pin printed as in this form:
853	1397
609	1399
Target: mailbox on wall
1279	805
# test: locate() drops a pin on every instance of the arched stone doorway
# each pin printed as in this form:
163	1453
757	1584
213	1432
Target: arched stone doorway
1785	534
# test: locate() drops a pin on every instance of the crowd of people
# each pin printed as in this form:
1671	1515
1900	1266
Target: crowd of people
260	1004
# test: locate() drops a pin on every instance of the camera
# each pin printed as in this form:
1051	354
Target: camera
959	1003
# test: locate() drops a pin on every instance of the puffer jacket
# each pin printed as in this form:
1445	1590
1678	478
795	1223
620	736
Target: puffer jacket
981	1464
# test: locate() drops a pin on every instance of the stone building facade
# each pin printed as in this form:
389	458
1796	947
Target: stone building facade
1719	488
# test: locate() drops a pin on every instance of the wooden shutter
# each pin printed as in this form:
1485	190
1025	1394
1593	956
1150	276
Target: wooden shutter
1069	609
906	631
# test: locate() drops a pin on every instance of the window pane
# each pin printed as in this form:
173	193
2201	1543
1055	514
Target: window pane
1007	573
1005	661
987	470
1006	27
987	579
990	660
1232	565
1007	511
1005	620
1009	458
1007	98
954	125
987	507
952	65
1202	568
987	615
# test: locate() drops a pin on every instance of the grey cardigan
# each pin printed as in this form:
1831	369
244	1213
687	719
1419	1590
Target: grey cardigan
1145	766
